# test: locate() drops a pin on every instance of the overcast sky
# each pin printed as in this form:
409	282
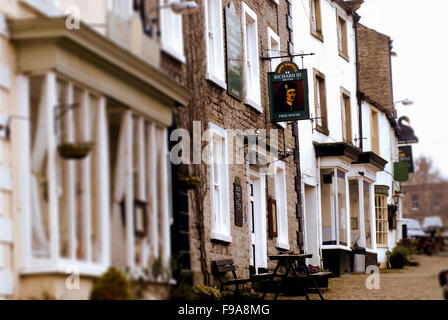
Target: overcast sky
419	33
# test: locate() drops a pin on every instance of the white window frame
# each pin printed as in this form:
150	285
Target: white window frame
334	211
274	38
121	8
342	34
54	263
220	221
171	32
49	8
282	205
381	221
346	110
214	39
251	60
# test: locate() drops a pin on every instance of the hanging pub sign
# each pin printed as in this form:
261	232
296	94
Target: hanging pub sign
288	92
401	171
405	132
405	155
234	53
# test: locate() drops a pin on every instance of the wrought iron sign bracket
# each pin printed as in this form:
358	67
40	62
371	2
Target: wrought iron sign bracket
356	139
290	56
312	122
302	55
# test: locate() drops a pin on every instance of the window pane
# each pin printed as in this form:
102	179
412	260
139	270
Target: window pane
318	102
367	213
342	208
313	15
329	231
355	230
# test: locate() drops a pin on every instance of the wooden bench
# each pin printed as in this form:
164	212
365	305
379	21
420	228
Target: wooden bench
221	268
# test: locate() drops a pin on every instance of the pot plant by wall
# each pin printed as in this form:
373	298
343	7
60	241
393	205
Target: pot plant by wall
399	257
112	285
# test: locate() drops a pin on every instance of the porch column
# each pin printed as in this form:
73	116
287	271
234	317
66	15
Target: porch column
347	212
129	198
51	100
362	223
21	148
86	176
102	183
165	219
69	192
153	190
372	216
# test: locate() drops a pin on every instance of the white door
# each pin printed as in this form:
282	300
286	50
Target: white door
257	218
312	241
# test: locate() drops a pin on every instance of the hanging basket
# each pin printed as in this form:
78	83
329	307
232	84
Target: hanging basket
75	151
188	183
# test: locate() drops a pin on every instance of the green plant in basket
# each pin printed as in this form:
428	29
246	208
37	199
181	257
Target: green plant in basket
203	292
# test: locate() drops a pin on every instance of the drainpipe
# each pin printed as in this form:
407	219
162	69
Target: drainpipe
298	185
359	94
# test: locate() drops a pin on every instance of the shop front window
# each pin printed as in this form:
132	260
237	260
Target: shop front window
334	207
367	214
342	207
68	209
355	221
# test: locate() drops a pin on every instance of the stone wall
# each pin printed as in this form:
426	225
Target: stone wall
211	103
375	77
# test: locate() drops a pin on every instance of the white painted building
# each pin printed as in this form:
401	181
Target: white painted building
63	83
338	176
384	142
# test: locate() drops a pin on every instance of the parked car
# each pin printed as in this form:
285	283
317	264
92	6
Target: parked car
413	228
443	278
432	223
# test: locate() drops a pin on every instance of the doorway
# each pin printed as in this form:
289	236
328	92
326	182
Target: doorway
257	222
312	241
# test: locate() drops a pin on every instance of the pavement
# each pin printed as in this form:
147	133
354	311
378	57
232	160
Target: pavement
411	283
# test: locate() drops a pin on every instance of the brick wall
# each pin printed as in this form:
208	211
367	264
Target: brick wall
375	78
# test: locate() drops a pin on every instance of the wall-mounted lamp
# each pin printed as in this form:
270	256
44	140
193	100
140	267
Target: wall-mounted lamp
396	197
361	173
180	7
149	22
5	125
405	102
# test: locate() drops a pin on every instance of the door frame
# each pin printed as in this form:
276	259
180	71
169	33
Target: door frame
260	217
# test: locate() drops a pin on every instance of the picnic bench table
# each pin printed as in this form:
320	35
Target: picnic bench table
291	263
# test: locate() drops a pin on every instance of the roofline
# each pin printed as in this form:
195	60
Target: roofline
89	39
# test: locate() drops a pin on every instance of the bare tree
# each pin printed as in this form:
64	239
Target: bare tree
426	171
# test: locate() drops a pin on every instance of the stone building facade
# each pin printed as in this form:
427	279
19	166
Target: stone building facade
212	105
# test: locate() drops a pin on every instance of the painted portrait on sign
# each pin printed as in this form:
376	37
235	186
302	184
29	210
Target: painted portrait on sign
289	96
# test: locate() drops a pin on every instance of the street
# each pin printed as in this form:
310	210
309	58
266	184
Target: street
410	283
